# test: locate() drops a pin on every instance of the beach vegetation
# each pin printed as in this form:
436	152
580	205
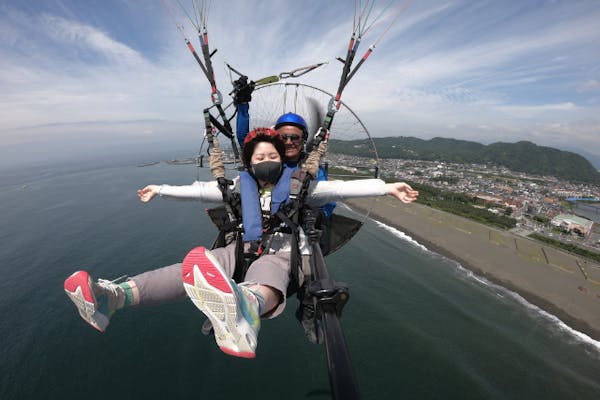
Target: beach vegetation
461	204
572	248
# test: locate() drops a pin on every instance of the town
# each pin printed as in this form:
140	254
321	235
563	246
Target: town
543	205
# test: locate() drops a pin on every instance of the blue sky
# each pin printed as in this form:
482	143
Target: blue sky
85	76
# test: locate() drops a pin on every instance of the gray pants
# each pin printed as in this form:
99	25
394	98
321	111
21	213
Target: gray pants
164	285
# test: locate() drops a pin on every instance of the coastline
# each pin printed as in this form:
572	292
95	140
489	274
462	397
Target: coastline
559	283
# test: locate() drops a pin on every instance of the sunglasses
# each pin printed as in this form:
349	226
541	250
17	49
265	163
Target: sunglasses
293	138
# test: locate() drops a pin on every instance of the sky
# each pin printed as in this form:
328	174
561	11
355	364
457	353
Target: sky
79	77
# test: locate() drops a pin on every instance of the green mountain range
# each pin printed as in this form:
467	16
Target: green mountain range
521	156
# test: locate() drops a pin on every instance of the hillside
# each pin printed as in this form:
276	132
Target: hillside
521	156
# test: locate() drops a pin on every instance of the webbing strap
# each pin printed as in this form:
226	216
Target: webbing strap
294	284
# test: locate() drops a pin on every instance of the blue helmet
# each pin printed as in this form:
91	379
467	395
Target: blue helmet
294	120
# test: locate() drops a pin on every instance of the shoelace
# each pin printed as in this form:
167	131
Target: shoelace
111	285
113	295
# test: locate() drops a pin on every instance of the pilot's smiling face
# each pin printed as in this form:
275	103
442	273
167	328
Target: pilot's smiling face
294	142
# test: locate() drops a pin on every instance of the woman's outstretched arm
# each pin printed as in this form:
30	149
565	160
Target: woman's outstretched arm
199	191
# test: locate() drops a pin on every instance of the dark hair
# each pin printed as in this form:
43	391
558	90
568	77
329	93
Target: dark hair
261	135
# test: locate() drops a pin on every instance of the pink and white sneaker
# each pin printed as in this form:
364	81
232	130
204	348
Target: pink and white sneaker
231	308
96	302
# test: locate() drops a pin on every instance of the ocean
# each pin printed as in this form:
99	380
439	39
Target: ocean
418	325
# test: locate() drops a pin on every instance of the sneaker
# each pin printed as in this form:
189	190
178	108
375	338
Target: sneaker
231	309
96	302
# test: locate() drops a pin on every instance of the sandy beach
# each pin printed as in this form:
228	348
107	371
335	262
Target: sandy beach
560	283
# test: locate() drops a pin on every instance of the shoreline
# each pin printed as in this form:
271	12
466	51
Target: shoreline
561	284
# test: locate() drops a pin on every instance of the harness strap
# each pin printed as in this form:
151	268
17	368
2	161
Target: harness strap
226	130
297	183
294	284
290	215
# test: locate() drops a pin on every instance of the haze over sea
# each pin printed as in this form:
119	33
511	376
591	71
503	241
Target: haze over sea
418	325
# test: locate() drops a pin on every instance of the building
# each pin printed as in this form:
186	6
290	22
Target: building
573	223
487	199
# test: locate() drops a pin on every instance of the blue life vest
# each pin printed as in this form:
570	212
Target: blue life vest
251	211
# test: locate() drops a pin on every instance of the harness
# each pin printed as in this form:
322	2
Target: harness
241	220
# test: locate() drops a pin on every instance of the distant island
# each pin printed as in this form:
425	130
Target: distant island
522	156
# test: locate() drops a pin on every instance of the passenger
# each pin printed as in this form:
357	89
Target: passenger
205	275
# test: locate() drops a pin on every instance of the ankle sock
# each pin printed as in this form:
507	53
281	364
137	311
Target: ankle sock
261	301
128	293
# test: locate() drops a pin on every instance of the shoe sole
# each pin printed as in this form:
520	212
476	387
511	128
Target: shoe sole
78	287
211	291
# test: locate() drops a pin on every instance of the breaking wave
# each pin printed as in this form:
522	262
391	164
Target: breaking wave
502	292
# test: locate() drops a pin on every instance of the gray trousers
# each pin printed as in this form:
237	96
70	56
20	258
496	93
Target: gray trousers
165	285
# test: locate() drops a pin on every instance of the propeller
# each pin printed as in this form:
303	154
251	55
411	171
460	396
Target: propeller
315	117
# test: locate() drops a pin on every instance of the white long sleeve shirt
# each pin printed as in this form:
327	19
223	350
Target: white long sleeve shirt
319	192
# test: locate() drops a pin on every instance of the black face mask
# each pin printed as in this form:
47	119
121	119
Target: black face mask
267	171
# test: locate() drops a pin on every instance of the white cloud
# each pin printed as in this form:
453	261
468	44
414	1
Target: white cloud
456	68
79	73
532	111
89	38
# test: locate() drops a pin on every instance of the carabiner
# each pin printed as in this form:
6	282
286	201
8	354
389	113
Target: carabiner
299	71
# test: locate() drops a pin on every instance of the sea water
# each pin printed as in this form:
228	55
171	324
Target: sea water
418	325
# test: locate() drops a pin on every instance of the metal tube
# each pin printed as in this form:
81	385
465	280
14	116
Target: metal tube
342	378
